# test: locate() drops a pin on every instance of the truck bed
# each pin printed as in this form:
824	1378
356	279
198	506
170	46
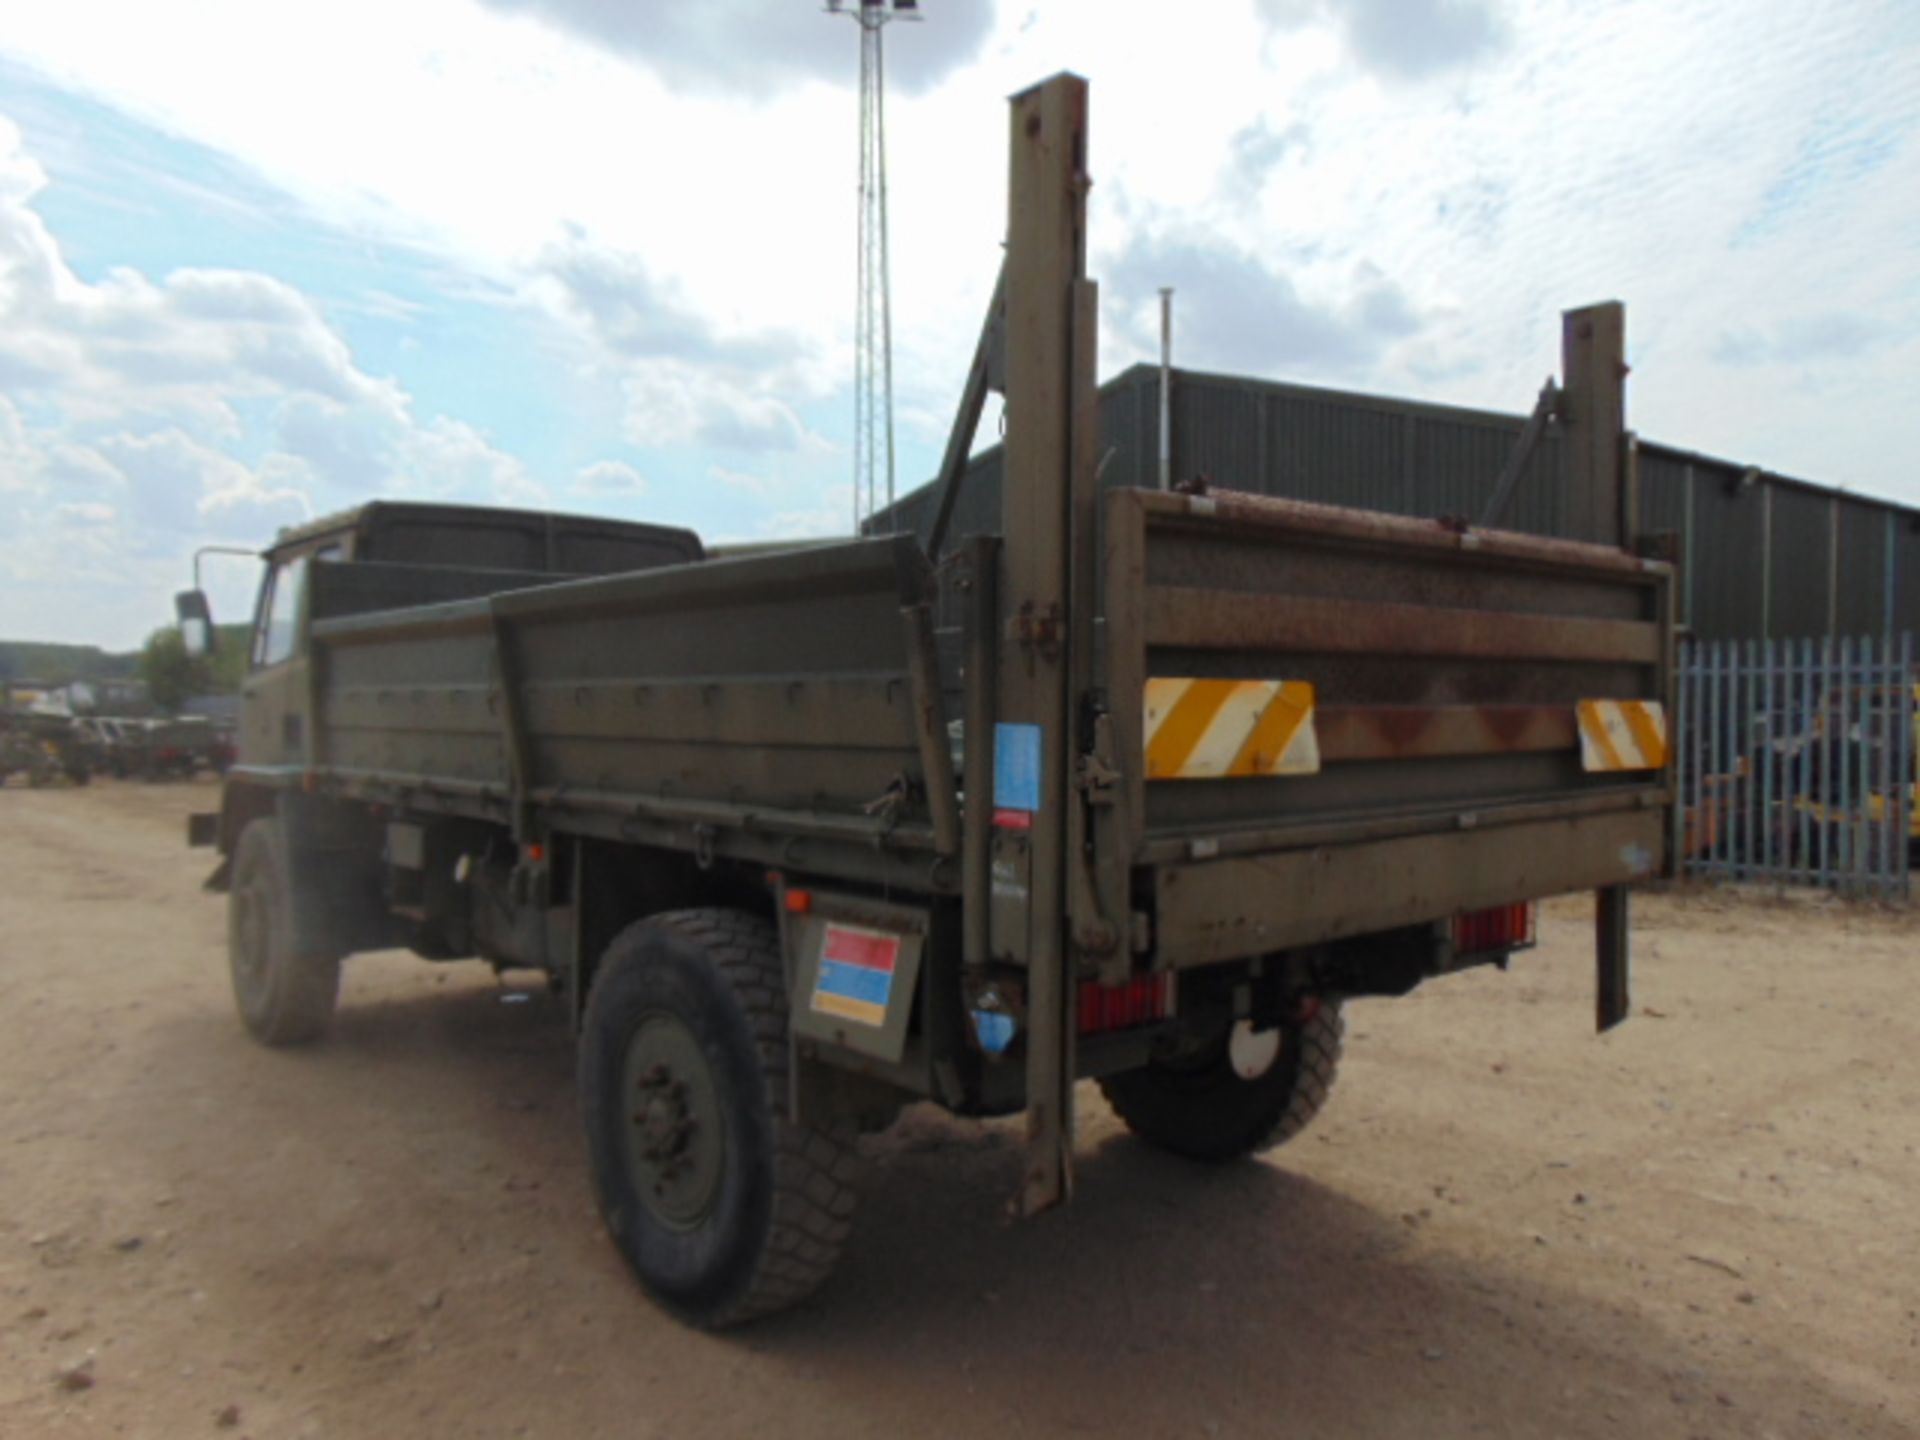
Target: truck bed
740	703
762	705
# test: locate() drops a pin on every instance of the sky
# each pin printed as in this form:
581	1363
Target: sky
266	259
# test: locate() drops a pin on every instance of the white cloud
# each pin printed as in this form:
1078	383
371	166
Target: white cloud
609	477
83	513
672	403
687	378
831	515
751	46
1401	39
743	481
134	388
189	344
1401	196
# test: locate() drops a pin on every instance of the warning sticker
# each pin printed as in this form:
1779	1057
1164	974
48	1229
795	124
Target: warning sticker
856	973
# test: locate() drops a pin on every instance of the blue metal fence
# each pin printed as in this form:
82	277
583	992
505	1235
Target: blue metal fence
1795	762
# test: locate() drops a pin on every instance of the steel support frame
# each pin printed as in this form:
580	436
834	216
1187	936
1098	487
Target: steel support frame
1049	375
1603	504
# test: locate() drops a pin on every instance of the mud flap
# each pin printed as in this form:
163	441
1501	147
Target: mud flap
1611	1001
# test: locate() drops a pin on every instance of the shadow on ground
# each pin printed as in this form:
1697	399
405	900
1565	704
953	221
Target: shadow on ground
1168	1299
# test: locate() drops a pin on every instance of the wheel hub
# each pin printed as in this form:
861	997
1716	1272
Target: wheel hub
666	1123
675	1140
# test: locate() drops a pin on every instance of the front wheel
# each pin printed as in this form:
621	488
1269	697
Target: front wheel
286	974
1245	1093
724	1207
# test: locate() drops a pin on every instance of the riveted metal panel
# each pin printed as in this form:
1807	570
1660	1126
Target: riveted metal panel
1337	454
1906	572
1860	597
783	681
1411	458
1801	533
1728	530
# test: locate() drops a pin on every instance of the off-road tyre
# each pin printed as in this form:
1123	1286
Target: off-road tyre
286	970
783	1200
1203	1110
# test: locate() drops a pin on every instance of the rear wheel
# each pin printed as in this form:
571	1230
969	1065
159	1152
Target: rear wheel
286	972
724	1207
1246	1092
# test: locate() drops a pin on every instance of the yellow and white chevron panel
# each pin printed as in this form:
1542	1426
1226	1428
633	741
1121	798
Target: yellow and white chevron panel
1210	729
1622	735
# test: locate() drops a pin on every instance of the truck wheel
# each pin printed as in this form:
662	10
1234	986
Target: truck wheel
1204	1109
725	1208
286	977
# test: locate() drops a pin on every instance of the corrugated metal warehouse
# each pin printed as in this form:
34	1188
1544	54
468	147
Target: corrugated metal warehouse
1764	556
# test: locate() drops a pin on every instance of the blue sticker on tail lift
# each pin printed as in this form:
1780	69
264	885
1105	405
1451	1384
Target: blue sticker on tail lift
1016	767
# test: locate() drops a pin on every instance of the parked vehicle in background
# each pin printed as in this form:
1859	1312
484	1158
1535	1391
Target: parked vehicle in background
178	748
45	748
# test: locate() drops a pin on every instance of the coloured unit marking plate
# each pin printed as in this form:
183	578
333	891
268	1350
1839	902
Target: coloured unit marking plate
855	978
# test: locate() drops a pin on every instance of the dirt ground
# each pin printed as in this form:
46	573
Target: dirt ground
1707	1223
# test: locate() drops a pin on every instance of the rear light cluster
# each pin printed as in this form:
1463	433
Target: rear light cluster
1504	927
1139	1001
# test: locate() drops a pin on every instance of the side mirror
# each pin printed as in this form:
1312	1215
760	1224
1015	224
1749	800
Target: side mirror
196	623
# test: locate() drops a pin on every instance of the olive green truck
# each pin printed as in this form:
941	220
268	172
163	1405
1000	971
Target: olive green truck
1136	790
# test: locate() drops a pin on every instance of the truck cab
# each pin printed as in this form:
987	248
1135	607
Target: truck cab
408	553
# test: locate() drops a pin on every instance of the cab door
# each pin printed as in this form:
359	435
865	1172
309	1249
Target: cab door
275	723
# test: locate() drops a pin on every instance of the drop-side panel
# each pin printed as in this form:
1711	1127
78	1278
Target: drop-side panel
780	682
1287	677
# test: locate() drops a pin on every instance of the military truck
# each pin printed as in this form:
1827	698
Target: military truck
44	746
1137	790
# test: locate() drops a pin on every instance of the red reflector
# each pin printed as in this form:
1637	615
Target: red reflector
1504	927
799	902
1139	1001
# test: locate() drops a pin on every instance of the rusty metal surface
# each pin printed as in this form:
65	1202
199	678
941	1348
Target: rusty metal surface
1201	619
1445	666
1049	380
1177	848
1250	905
1378	732
1303	517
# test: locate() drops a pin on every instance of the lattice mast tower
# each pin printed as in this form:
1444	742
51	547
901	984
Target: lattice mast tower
873	463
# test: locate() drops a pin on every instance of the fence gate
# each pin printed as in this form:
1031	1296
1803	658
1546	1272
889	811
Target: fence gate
1795	762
